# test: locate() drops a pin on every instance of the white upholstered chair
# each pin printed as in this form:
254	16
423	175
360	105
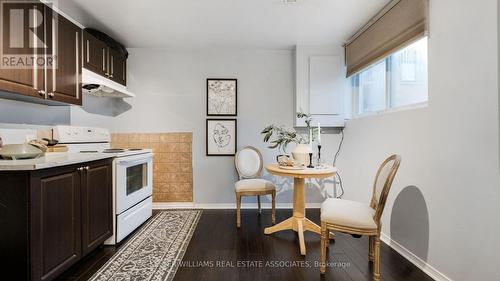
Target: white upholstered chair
359	219
248	162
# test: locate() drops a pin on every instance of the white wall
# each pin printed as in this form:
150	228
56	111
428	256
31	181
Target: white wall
447	192
171	96
19	112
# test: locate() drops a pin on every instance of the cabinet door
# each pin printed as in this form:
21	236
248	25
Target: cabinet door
64	80
97	204
320	86
55	222
21	49
117	67
94	54
326	85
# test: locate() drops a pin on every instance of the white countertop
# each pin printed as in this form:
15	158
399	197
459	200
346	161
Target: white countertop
52	159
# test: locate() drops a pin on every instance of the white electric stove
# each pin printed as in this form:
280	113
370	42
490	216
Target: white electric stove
132	176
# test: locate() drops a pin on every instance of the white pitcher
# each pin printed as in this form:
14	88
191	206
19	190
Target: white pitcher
301	154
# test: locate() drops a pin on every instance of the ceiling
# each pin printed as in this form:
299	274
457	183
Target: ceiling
266	24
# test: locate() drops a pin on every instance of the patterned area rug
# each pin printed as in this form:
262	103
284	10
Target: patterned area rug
155	250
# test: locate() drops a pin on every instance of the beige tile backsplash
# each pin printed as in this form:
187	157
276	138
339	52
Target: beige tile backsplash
173	164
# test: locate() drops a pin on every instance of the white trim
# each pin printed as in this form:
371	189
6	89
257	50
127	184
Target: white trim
192	205
180	205
391	110
418	262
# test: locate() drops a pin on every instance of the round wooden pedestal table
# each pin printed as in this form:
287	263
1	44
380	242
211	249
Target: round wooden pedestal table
298	222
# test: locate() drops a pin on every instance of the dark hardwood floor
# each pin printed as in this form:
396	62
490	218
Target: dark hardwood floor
219	251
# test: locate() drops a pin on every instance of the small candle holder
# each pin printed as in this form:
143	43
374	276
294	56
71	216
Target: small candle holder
310	160
319	155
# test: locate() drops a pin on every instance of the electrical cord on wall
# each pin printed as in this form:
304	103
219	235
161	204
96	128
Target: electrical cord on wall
335	162
341	187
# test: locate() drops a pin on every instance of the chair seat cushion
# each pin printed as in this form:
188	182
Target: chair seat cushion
254	185
348	213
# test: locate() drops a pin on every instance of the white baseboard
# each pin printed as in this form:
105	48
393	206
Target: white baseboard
418	262
191	205
179	205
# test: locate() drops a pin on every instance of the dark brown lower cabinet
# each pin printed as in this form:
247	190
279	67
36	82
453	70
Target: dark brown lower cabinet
51	218
97	222
55	237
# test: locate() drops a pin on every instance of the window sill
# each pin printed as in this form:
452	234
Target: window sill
392	110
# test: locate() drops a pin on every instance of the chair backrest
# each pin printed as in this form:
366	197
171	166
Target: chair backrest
248	162
382	185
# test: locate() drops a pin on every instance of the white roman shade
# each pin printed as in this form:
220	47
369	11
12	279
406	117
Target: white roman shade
399	24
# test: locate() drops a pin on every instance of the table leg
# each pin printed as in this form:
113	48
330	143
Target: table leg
299	211
312	227
300	232
284	225
298	222
299	200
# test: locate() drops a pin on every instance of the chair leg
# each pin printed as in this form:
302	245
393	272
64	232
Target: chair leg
371	244
324	241
238	212
258	201
376	264
273	214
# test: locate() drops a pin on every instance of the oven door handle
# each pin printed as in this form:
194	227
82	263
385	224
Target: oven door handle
132	160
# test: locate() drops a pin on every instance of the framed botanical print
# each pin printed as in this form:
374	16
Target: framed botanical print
222	97
221	137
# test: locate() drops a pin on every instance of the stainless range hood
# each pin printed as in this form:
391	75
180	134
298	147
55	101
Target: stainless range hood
97	85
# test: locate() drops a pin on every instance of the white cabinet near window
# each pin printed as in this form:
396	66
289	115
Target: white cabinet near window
320	85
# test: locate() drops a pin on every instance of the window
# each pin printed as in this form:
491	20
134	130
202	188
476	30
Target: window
372	84
398	80
137	178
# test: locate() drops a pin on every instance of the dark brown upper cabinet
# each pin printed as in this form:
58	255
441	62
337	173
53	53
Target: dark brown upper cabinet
65	80
51	56
94	54
17	78
117	67
103	60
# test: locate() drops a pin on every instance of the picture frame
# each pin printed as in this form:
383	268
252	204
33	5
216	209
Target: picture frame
221	137
222	97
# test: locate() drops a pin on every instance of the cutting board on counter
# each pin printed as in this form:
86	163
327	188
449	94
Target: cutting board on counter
57	148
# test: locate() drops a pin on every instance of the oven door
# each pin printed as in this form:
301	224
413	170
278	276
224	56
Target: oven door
133	179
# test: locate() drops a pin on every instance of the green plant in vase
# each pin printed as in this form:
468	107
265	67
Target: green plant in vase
280	137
